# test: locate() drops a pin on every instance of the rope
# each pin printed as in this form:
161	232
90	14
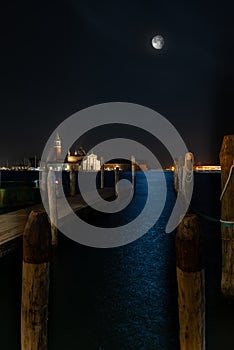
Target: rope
228	180
210	218
225	222
185	176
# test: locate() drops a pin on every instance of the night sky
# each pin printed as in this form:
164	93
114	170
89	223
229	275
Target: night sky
58	57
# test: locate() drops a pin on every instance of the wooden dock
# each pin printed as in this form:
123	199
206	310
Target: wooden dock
12	224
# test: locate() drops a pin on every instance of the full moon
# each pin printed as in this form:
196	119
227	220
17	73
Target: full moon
158	42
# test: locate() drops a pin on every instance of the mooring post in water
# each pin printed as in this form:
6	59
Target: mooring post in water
116	180
133	161
178	171
43	185
102	173
72	182
227	215
52	201
191	283
35	282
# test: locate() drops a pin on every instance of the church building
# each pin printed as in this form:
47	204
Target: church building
74	161
91	163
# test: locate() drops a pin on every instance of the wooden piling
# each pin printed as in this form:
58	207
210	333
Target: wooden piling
178	172
72	183
52	200
116	180
227	214
43	186
35	282
191	283
102	173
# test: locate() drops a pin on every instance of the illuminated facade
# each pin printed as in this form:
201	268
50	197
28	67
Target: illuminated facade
57	148
91	163
71	161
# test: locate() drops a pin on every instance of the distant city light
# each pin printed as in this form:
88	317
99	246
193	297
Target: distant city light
208	168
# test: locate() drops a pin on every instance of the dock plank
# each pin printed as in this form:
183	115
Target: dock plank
12	224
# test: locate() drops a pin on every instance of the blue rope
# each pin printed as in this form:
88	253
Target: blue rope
210	218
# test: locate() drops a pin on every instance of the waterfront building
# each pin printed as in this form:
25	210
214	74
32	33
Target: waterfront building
57	148
91	163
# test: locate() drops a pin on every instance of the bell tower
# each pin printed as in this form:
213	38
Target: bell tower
57	148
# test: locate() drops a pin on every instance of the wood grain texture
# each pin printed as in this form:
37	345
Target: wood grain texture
35	281
34	309
190	245
37	238
227	213
191	301
191	283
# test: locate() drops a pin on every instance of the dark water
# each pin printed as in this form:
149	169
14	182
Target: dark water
126	297
119	298
18	178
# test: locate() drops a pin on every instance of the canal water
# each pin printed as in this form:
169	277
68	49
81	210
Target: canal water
126	297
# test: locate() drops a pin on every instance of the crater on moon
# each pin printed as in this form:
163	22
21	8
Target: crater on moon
158	42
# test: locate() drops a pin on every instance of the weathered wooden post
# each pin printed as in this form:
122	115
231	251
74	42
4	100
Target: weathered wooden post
178	172
116	180
191	283
72	182
43	185
52	201
133	161
227	215
35	282
175	175
102	173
